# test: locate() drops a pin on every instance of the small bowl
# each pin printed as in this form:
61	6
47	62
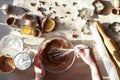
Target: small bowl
6	64
60	65
10	45
22	60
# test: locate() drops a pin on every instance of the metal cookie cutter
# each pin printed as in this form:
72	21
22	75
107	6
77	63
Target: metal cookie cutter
85	13
98	6
115	27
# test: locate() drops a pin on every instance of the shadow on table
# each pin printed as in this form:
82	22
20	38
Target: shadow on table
4	30
17	10
108	7
78	71
13	10
19	75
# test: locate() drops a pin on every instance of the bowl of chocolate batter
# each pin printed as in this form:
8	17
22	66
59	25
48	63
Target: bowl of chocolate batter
60	64
6	64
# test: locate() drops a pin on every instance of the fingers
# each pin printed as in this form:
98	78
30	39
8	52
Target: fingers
78	55
38	65
81	50
38	70
37	60
87	52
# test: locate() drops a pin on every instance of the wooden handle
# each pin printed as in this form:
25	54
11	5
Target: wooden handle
109	43
107	40
116	3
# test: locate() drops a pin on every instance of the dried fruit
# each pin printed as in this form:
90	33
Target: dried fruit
38	8
33	4
74	35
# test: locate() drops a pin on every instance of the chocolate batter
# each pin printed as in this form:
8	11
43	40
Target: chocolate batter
6	64
58	64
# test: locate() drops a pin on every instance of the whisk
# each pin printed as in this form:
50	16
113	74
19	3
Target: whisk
60	52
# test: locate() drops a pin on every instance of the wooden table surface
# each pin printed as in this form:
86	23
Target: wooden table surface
79	70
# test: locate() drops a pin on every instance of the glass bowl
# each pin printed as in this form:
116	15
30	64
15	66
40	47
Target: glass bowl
10	45
56	65
6	64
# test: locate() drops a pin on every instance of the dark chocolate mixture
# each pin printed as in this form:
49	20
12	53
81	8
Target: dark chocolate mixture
6	64
55	63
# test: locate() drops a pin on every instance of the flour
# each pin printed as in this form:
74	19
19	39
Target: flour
22	61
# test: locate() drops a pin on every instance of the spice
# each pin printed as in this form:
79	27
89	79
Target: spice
68	12
54	11
78	13
74	35
56	4
50	8
33	4
72	19
74	3
42	2
64	5
38	8
62	17
6	64
63	23
56	18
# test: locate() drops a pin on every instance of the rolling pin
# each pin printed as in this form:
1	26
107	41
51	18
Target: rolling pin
103	52
109	43
116	4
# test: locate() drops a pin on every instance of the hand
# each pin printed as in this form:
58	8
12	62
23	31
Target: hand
85	53
39	70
